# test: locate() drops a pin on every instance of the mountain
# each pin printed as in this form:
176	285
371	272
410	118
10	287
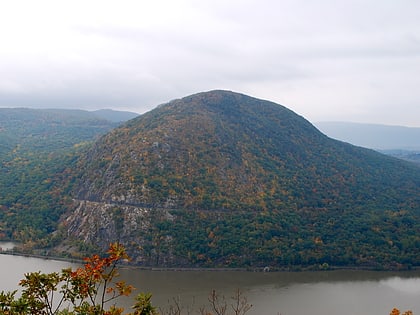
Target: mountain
65	127
48	130
374	136
37	149
224	179
401	142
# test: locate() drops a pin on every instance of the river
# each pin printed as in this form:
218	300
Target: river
294	293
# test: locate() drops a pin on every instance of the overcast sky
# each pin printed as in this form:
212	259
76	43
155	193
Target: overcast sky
346	60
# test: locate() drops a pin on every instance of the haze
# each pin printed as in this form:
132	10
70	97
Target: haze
326	60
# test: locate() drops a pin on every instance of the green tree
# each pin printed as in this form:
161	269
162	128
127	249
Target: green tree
84	291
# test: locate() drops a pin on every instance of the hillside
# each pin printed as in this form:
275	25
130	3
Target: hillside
224	179
37	149
48	130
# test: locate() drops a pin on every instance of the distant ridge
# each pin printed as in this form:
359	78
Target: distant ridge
114	115
374	136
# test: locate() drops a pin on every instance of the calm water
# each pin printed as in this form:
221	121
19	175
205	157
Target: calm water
314	293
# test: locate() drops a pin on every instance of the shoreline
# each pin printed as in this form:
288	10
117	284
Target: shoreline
270	269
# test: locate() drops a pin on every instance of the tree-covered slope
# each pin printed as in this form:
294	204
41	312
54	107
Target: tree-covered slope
48	129
225	150
37	149
220	178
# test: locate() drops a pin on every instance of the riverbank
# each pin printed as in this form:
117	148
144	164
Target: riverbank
57	258
314	268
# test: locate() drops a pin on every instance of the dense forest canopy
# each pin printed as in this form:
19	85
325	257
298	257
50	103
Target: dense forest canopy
221	179
37	151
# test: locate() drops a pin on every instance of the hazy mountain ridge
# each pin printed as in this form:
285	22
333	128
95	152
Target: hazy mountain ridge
374	136
399	141
115	116
408	155
223	179
25	125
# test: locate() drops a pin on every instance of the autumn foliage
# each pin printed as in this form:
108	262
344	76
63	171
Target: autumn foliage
88	290
396	311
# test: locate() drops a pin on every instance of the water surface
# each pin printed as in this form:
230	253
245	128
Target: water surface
294	293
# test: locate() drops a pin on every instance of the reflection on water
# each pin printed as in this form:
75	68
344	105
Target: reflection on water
315	293
300	293
7	245
408	286
13	269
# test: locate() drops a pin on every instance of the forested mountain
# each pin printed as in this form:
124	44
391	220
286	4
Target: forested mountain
47	130
224	179
37	148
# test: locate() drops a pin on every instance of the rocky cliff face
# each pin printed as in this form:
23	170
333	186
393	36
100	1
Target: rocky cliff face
101	223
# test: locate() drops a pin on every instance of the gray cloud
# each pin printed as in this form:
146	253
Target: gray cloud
327	60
